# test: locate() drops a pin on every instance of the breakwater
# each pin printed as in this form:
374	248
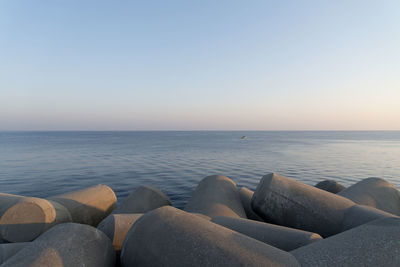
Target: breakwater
284	222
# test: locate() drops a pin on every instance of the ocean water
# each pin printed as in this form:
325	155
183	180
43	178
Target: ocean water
44	164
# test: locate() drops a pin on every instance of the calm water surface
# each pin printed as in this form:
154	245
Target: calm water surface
43	164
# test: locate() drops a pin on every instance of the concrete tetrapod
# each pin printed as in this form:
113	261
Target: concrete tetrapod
360	214
67	244
23	219
116	226
330	185
171	237
245	196
373	244
216	195
278	236
205	217
293	204
10	249
89	205
142	200
375	192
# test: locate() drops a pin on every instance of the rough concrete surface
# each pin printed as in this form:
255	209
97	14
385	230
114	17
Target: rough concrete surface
281	237
375	192
216	195
116	226
67	244
245	195
331	186
286	202
360	214
10	249
90	205
142	200
23	219
171	237
373	244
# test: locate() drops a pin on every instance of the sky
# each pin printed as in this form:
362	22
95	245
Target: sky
199	65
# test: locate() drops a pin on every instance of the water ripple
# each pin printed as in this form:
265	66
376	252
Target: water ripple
48	163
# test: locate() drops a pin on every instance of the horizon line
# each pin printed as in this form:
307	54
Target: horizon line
197	130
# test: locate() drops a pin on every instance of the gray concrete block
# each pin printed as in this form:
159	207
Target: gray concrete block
373	244
287	202
375	192
23	219
281	237
142	200
360	214
67	244
116	226
205	217
10	249
330	185
171	237
245	197
216	195
90	205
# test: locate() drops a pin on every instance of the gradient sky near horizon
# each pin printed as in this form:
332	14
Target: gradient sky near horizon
199	65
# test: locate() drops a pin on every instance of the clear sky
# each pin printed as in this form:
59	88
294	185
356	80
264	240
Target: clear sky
199	65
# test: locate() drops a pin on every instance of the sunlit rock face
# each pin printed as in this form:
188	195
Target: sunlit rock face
25	218
214	196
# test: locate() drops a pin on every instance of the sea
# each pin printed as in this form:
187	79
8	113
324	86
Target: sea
44	164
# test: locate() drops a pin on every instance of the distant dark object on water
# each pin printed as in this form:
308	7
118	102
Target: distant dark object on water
244	137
